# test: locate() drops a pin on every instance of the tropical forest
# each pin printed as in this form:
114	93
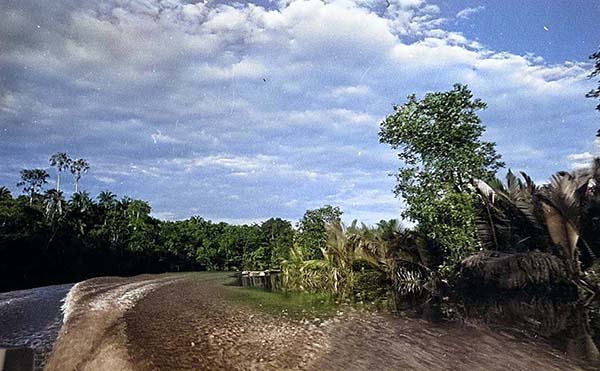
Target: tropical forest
484	267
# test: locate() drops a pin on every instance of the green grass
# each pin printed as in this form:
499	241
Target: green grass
291	305
295	306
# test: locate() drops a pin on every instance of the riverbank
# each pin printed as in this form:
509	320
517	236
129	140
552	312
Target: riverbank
195	322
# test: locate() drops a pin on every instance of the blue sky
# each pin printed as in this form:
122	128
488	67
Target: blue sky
239	112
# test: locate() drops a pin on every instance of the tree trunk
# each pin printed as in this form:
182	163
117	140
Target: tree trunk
58	181
580	343
76	185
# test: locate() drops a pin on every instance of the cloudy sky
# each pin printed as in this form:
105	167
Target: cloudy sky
243	111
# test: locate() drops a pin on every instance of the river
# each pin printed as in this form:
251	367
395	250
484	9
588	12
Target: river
32	318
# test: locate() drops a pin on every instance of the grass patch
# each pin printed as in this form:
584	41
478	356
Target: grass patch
295	306
291	305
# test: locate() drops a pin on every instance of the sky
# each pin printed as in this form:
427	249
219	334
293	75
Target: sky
239	112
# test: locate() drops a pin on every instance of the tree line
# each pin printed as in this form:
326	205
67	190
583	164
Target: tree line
46	238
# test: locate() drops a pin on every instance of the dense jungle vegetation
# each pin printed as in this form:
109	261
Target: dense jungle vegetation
481	247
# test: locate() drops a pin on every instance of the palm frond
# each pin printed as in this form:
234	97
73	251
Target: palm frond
513	270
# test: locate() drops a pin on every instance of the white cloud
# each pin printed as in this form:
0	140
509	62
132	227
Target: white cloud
106	179
580	160
468	12
349	91
164	215
192	75
243	69
586	156
232	162
159	137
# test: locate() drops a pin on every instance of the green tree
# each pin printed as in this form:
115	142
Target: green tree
107	200
312	230
83	212
279	234
439	143
143	231
78	167
54	205
32	181
277	237
237	245
61	161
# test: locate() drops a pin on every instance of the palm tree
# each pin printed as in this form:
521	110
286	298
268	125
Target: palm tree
5	194
81	201
78	167
54	205
107	199
508	219
82	206
389	229
61	161
524	223
408	261
55	208
33	180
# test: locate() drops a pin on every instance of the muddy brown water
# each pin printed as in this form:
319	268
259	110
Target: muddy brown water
32	319
190	323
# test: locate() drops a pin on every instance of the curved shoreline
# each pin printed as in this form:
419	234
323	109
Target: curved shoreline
190	322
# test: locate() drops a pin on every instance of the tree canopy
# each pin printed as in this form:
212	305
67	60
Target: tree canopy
438	139
312	232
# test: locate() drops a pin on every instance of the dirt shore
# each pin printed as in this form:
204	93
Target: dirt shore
191	323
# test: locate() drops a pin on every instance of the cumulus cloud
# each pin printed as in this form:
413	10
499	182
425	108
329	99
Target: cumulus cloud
193	103
580	160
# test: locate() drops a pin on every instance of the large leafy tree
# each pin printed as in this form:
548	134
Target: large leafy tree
83	212
438	139
312	231
61	161
144	230
32	180
277	237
